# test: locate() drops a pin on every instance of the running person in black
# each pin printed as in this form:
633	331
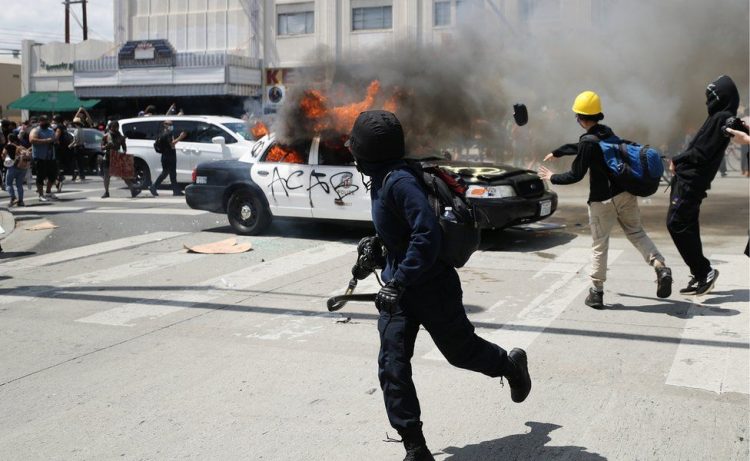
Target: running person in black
167	143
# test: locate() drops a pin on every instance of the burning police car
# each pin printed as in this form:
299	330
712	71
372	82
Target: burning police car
317	179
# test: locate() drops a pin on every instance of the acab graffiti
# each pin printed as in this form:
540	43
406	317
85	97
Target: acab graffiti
341	184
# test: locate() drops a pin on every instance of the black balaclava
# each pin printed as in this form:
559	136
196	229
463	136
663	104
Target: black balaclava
377	137
722	96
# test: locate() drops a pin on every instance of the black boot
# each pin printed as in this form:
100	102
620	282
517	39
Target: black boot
518	375
417	452
415	445
595	299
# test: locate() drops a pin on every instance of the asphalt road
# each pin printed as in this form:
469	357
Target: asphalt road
117	344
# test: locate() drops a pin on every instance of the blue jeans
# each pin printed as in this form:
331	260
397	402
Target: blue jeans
16	175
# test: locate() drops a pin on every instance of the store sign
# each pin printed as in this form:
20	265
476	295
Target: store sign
61	67
144	50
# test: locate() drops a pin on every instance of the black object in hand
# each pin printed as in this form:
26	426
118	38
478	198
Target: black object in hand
734	123
389	296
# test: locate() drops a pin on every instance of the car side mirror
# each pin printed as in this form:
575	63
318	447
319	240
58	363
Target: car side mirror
520	114
218	140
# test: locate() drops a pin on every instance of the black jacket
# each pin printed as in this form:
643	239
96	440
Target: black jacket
698	164
406	223
589	157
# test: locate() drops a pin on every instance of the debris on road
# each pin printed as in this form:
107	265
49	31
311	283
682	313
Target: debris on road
44	225
228	246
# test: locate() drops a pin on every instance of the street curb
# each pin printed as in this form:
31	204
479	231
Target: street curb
8	222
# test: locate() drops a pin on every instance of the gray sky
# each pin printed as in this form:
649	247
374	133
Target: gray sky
44	21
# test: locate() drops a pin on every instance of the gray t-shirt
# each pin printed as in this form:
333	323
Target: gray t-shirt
42	151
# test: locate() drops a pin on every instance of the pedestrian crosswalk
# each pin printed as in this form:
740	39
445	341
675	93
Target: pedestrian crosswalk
147	281
87	199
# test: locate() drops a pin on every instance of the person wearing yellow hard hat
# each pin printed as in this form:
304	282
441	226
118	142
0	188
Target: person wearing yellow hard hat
608	203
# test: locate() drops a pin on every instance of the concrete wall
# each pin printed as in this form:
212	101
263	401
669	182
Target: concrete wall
10	88
197	26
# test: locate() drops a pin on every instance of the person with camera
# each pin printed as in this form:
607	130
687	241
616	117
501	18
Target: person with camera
420	289
694	170
608	202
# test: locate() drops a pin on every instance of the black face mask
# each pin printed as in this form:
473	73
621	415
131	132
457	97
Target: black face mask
44	125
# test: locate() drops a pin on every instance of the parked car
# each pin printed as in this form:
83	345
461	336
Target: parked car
326	185
92	149
209	138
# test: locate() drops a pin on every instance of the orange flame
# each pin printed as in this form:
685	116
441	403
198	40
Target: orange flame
284	154
314	105
259	130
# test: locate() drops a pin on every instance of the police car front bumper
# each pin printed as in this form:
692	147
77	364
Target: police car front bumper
499	213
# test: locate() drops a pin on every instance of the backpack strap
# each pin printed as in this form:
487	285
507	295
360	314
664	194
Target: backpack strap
590	138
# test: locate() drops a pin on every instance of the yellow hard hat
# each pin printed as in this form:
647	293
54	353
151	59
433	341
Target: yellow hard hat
587	103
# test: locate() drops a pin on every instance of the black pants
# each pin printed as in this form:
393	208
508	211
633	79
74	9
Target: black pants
684	226
438	306
79	157
168	167
45	169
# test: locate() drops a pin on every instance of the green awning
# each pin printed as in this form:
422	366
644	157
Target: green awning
52	101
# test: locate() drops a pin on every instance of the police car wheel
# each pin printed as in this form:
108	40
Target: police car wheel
247	213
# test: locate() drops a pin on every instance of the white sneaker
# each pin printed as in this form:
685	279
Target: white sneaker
42	198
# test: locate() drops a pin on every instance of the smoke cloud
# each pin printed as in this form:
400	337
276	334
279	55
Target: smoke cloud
649	61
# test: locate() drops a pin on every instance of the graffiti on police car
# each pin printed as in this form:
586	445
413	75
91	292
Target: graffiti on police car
345	186
284	182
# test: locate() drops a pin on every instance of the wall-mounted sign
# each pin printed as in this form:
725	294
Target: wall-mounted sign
146	53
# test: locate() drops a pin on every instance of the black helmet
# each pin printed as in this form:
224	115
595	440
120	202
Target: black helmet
377	137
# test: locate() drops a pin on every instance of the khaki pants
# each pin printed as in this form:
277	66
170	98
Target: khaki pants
622	208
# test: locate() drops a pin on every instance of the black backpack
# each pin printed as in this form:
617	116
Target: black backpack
461	236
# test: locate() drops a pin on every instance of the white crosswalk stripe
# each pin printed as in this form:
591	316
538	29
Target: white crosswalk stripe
548	305
714	352
87	250
217	286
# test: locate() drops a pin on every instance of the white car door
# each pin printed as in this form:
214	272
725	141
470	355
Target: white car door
337	189
284	178
187	149
205	150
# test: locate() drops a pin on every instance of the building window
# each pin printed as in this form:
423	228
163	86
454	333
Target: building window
374	17
296	18
442	13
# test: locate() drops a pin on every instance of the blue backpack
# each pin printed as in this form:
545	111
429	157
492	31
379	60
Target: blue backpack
634	167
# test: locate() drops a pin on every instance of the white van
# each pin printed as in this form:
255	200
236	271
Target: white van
209	138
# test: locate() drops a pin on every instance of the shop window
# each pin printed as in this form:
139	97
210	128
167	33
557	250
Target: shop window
296	18
371	18
442	13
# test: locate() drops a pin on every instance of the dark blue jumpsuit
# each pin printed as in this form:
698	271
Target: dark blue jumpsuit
433	297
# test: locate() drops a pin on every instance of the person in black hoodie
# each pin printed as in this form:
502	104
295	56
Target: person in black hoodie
608	202
694	169
420	289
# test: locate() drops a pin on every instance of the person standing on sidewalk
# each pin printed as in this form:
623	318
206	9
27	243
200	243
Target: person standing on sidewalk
420	289
694	169
42	139
20	162
113	142
608	203
166	147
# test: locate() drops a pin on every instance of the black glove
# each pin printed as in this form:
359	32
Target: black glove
389	296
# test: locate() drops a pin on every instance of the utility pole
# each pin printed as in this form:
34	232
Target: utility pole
85	24
67	21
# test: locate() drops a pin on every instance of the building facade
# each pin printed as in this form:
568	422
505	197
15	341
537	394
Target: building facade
202	55
10	87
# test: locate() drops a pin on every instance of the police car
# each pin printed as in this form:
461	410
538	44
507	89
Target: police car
317	179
